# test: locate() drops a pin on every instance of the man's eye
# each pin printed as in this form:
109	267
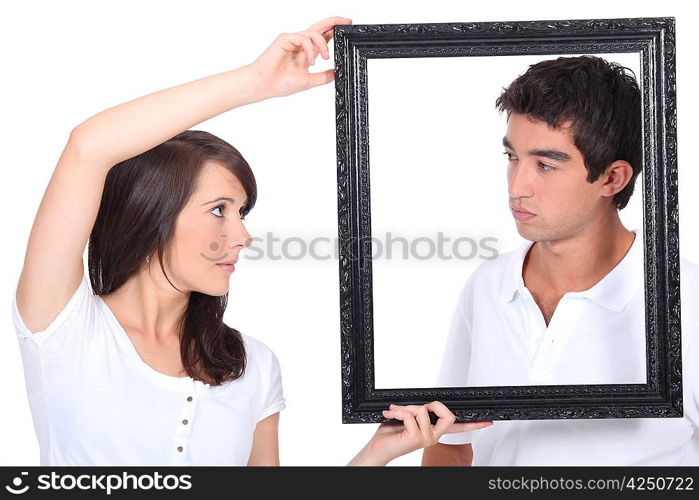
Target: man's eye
546	168
510	156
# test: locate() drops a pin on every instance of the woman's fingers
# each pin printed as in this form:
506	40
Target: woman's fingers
315	79
404	416
326	25
445	417
417	431
307	45
311	42
422	430
319	42
467	426
292	42
423	421
445	420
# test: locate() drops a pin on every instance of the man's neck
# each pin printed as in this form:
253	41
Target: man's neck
577	263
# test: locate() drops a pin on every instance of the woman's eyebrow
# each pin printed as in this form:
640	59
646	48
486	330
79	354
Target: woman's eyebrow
219	199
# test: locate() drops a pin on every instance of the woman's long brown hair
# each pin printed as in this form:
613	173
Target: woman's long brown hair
141	200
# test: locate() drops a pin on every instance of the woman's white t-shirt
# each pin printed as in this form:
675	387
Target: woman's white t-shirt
94	401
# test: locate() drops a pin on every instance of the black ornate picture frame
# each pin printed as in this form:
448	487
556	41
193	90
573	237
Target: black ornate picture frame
654	40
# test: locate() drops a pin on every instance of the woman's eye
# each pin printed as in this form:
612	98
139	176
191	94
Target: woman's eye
219	207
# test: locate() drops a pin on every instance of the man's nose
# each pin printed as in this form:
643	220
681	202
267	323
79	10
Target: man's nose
519	181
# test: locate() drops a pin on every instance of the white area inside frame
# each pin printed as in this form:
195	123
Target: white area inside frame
439	204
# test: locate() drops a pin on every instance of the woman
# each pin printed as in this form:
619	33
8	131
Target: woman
143	371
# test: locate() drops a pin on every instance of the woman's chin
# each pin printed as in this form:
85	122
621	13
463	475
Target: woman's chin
215	291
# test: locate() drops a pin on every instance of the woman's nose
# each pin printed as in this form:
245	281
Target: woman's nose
240	235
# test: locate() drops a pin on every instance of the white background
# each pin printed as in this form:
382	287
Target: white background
437	165
65	61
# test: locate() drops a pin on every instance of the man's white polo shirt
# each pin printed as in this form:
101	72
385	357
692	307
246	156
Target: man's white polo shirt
498	336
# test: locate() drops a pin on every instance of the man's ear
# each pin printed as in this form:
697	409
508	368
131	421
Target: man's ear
616	177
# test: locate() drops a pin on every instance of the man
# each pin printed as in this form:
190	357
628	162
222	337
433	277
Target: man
568	306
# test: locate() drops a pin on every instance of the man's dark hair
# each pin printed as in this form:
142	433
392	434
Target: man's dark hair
599	98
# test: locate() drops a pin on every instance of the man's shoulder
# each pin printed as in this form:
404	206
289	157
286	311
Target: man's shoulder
499	266
489	276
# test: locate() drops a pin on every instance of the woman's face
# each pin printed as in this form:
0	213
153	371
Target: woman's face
209	231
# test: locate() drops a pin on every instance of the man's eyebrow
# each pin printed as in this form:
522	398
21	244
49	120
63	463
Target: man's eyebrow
552	154
219	199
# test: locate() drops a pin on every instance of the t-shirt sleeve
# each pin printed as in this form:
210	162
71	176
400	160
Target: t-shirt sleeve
456	358
273	399
38	338
55	338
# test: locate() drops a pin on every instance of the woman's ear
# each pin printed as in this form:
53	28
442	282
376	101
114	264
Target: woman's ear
616	177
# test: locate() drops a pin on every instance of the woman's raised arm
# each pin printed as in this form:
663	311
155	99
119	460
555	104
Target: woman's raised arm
53	264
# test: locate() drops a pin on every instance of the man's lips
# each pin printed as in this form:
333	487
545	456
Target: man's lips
520	214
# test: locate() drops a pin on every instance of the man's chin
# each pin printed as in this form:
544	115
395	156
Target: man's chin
529	234
525	233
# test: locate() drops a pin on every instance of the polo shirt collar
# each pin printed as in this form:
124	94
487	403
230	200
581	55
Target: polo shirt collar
613	292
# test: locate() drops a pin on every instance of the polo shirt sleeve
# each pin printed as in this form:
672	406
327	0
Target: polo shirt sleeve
456	357
689	289
692	369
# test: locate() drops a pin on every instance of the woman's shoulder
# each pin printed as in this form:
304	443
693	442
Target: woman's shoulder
257	351
263	363
72	316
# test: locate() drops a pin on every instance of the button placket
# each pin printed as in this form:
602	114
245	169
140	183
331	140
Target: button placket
556	337
537	331
183	423
574	307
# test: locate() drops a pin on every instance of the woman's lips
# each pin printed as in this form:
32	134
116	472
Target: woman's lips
520	214
227	267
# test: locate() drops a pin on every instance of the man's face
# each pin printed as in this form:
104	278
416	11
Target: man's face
550	197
